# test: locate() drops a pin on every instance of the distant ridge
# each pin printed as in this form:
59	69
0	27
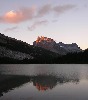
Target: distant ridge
60	48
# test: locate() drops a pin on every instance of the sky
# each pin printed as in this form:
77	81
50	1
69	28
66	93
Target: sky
62	20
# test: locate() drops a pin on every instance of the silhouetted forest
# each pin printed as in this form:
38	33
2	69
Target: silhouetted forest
70	58
73	58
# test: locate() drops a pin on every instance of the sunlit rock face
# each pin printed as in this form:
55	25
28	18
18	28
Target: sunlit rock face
60	48
44	82
42	88
45	42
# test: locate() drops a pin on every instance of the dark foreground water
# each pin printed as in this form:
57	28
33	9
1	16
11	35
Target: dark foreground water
43	82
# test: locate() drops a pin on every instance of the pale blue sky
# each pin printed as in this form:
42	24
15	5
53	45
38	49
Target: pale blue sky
67	23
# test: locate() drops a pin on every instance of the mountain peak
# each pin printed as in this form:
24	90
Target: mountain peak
44	42
42	38
50	44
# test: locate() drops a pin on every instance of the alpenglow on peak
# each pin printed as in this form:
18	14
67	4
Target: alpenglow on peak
60	48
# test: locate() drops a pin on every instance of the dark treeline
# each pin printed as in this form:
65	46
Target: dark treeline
73	58
70	58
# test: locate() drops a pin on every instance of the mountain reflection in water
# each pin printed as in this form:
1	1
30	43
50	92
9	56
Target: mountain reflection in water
41	82
44	82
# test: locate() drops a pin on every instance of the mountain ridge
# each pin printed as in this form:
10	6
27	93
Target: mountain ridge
13	51
60	48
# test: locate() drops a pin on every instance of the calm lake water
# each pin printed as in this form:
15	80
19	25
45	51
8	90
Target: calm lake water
43	82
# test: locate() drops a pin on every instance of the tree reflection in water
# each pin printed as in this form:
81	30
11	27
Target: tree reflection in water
41	82
10	82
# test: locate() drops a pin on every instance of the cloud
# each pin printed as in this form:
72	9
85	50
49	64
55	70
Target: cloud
24	14
36	24
44	10
21	15
61	9
11	29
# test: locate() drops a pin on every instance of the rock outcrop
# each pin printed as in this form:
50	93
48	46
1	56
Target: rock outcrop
60	48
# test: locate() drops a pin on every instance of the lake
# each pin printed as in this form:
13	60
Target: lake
44	82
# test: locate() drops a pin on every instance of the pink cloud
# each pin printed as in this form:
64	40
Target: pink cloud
21	15
36	24
25	14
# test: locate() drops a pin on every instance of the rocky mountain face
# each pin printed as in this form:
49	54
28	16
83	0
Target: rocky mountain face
60	48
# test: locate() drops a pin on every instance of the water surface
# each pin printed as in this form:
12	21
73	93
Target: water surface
43	82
